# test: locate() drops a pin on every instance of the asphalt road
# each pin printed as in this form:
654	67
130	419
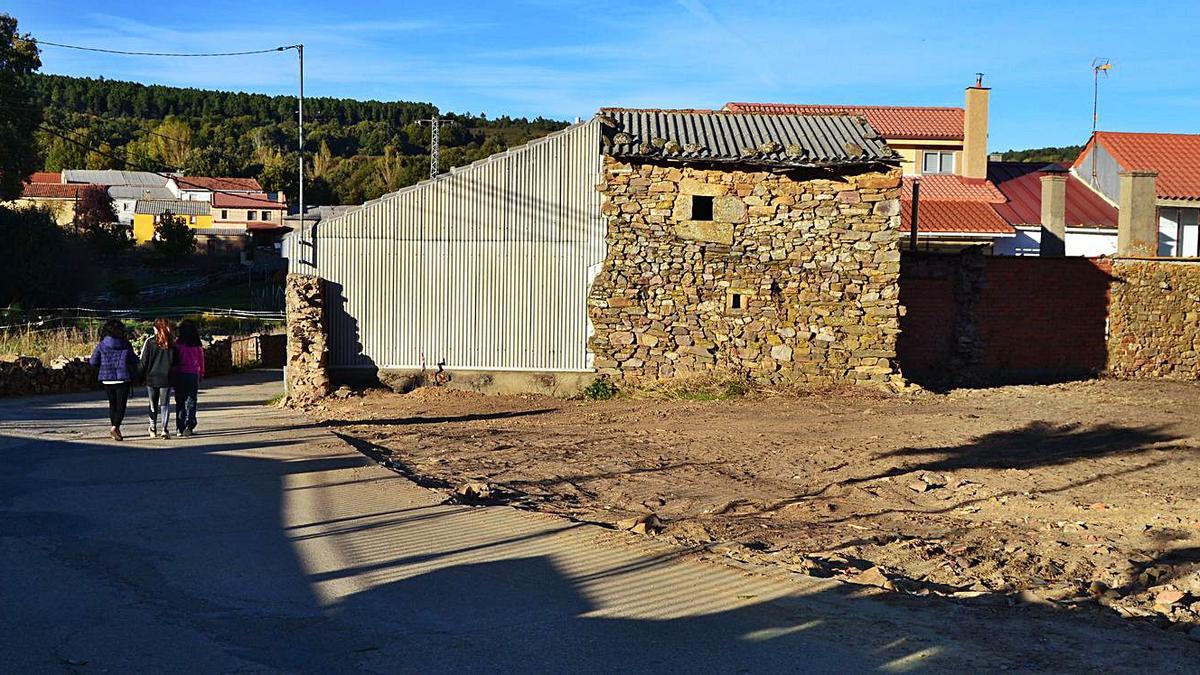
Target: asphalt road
267	544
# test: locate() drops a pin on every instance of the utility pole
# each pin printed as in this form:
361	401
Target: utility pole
300	52
435	140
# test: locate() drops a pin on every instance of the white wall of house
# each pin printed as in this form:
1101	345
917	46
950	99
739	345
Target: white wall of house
1172	221
1080	242
124	209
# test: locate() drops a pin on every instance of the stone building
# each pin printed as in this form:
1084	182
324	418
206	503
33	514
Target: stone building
639	244
764	246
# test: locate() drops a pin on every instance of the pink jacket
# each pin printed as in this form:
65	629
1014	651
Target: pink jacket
191	360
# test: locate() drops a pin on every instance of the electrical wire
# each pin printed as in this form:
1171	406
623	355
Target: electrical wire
170	54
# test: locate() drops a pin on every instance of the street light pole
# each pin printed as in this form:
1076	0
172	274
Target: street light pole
300	52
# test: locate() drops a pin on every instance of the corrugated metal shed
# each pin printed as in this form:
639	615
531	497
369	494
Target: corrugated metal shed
753	139
487	267
134	192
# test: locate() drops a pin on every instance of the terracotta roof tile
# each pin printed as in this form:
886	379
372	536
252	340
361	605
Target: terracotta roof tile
46	177
916	122
948	217
1176	158
52	190
211	183
1021	183
952	187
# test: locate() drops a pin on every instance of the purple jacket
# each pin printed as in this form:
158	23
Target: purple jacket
115	360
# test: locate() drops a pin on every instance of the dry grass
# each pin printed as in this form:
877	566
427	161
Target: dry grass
50	344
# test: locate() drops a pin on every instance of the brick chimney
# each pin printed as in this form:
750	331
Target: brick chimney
975	131
1054	212
1137	220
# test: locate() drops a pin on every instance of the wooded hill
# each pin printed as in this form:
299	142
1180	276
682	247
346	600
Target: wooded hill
357	150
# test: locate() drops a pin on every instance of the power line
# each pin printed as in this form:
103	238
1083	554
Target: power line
171	54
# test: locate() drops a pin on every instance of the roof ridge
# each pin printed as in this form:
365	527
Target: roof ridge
849	105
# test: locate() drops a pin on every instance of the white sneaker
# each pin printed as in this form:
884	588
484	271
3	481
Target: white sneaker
153	432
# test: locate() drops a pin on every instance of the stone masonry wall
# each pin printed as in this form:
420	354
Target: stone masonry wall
307	374
794	278
1154	320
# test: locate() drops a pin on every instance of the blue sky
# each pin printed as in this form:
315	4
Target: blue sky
565	58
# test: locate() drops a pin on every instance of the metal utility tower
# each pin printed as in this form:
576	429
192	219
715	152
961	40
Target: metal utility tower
435	140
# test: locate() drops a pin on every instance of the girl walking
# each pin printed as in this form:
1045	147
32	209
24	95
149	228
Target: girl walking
116	364
158	357
189	372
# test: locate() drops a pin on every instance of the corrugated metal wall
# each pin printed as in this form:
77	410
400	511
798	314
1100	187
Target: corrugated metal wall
485	268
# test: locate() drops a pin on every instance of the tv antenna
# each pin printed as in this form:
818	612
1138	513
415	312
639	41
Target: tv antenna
1099	65
435	124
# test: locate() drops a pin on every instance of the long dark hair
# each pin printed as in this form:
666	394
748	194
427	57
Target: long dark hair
163	333
113	328
188	335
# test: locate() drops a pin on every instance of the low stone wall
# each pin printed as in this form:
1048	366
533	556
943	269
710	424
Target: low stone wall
782	277
27	375
218	357
1154	321
307	358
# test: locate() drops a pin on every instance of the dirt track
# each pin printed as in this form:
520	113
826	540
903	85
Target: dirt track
1079	495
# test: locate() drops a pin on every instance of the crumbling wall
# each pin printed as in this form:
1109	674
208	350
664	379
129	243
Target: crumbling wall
792	276
26	375
307	372
1154	320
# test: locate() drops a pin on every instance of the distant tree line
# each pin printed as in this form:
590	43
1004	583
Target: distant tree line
1067	153
356	150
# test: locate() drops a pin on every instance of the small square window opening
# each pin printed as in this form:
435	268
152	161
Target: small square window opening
702	207
736	301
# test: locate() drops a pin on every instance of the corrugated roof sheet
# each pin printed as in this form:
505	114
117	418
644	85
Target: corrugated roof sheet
1176	158
180	207
756	139
915	122
134	192
947	217
1021	184
952	187
218	183
114	177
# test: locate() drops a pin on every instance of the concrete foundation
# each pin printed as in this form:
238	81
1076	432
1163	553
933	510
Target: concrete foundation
558	384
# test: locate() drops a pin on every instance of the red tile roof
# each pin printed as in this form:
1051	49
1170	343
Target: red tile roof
952	187
954	216
1176	158
891	122
1021	183
52	190
46	177
258	200
209	183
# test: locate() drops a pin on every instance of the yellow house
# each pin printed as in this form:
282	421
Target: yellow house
196	213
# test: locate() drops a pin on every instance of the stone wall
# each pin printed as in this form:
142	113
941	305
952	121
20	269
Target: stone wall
307	372
1154	320
794	277
26	375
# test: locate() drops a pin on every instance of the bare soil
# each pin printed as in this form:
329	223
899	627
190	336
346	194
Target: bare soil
1080	495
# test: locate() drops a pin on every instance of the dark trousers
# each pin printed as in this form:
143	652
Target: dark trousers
160	406
118	398
187	386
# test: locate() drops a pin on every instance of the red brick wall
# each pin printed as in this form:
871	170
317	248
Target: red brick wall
980	319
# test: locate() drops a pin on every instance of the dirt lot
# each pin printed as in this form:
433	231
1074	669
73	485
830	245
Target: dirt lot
1081	495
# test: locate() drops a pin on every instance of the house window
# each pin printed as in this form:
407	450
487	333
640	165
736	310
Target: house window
224	214
266	215
938	162
250	215
736	301
702	207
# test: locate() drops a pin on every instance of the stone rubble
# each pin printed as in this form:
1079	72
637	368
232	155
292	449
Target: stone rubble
307	376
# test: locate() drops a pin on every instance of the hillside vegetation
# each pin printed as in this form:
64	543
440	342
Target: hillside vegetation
1067	153
357	150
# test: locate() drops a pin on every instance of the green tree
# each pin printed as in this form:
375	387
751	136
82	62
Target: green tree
172	236
96	221
20	113
43	265
171	142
